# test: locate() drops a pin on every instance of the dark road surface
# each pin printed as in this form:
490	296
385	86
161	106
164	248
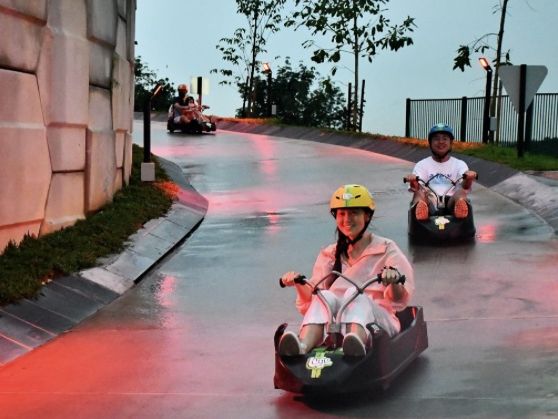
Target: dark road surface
194	338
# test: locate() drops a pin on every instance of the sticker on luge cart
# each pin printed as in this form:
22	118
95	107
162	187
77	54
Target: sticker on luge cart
317	363
441	222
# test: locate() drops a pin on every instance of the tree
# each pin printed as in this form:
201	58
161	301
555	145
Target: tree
302	97
145	81
481	45
247	43
359	25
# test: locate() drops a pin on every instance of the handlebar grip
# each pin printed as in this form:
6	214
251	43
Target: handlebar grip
401	280
301	279
405	179
465	176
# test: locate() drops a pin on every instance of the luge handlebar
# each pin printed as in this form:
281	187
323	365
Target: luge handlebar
418	179
301	279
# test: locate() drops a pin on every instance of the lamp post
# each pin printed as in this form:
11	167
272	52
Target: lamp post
486	113
148	167
267	70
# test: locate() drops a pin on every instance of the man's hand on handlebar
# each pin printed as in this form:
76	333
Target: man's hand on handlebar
413	182
468	177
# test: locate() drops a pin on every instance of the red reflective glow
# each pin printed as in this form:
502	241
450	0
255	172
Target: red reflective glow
273	227
266	152
167	287
486	233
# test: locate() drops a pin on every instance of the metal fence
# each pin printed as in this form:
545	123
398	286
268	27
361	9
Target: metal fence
465	115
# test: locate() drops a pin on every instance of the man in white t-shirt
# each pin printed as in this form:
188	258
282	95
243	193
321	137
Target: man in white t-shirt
437	170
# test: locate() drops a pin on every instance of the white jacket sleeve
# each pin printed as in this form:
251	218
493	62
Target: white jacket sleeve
397	259
322	267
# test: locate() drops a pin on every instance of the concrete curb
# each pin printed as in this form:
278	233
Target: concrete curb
64	303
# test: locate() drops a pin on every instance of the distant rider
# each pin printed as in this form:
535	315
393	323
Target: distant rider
434	170
181	108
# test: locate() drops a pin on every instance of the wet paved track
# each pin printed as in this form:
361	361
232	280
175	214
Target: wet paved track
194	338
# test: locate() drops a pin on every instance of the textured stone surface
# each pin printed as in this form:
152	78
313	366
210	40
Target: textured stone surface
122	99
36	9
100	65
65	204
24	107
100	172
23	54
119	148
127	168
25	167
25	162
68	16
67	148
101	21
63	75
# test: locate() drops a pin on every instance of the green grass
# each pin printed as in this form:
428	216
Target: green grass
25	268
508	156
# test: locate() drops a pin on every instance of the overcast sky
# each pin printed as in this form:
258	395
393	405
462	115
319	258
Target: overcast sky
177	39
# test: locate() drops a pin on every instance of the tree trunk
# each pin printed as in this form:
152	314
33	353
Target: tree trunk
253	63
356	50
495	97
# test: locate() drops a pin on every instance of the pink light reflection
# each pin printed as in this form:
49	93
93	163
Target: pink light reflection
274	226
258	199
167	287
486	233
266	151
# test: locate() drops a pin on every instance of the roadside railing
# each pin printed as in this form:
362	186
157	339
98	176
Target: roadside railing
465	115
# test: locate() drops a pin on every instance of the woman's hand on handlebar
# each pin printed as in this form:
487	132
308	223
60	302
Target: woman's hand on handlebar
390	275
289	279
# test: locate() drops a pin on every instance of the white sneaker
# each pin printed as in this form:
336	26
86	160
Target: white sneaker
290	345
353	346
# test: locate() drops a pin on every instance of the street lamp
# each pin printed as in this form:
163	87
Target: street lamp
148	167
266	69
486	116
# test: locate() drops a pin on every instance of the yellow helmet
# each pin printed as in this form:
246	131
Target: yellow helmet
352	196
182	87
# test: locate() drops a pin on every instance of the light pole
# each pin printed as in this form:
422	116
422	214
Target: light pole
148	167
486	114
267	70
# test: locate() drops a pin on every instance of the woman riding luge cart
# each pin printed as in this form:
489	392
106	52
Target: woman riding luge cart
355	307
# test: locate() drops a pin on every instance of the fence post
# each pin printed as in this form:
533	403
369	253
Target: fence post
521	111
361	111
529	126
408	118
463	130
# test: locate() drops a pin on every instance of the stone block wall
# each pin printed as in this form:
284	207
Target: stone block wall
66	109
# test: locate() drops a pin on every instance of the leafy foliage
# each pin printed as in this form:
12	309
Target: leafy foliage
145	81
359	25
302	97
242	49
480	46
